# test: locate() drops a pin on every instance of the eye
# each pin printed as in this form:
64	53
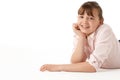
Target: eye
80	16
91	18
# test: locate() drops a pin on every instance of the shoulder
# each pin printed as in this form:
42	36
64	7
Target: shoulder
104	27
104	32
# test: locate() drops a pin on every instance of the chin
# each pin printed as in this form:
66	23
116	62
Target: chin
86	32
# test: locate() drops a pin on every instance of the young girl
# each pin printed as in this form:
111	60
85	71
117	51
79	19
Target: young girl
95	44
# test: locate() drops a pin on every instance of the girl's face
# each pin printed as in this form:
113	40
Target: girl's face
88	24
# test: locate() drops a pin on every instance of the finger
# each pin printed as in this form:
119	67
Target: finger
43	68
74	25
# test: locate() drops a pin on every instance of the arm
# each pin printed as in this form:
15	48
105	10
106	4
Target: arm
77	67
78	54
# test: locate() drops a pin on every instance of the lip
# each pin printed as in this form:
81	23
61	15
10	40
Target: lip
85	27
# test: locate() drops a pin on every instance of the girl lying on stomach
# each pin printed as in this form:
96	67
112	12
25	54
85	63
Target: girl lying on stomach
95	44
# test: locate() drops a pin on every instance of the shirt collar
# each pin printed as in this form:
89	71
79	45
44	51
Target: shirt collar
92	35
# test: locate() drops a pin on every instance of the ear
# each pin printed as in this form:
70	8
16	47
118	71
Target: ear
101	21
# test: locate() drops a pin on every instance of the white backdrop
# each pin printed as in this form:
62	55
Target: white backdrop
34	32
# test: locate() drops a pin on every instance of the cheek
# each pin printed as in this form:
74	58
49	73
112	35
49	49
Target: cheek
94	28
79	21
95	25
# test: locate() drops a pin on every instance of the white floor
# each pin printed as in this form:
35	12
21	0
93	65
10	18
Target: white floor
107	75
24	64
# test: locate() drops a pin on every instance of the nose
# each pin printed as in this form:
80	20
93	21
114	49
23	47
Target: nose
85	20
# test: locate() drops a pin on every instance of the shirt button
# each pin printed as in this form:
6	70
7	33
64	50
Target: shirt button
94	61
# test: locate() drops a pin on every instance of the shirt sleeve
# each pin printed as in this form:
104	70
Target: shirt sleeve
75	41
103	47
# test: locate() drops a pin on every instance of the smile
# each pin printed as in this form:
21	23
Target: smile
85	27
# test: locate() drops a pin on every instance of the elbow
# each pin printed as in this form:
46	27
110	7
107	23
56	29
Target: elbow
73	61
93	71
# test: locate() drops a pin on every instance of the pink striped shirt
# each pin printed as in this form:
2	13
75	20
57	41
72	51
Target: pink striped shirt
104	49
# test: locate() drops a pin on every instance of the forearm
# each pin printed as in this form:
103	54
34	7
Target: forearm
78	67
78	54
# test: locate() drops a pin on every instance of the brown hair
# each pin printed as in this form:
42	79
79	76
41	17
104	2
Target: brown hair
88	7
